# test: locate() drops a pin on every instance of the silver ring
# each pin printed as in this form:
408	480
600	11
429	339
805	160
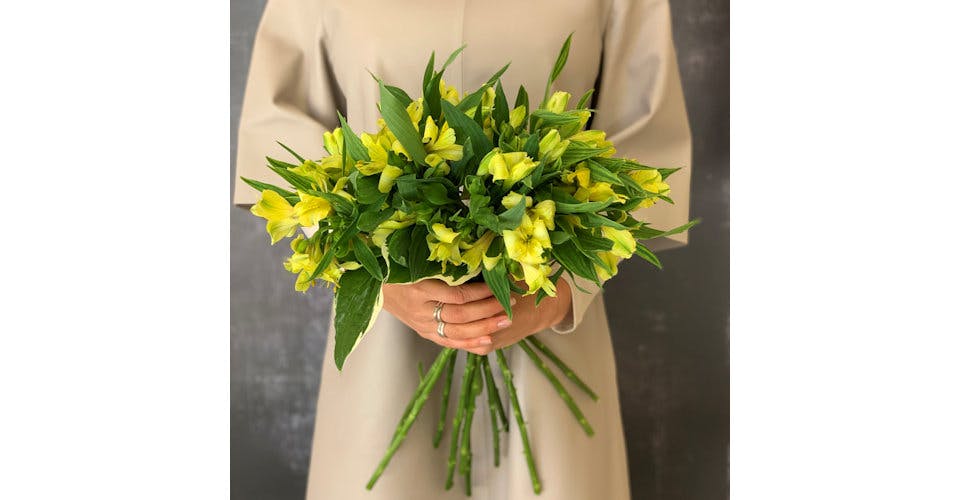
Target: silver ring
436	312
440	326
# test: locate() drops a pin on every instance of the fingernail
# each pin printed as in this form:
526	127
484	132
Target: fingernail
503	323
486	341
513	301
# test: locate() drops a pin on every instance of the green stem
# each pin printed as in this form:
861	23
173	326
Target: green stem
466	455
458	421
518	415
564	395
493	399
447	382
563	366
496	392
419	399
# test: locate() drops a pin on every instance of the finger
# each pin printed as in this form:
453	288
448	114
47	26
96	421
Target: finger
486	326
437	290
472	311
481	351
464	344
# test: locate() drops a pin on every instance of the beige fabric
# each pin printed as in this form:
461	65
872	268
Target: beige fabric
311	58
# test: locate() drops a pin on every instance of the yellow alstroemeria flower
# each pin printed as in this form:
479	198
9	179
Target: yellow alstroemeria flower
538	277
652	182
377	147
302	265
558	102
510	168
545	211
624	244
440	144
517	115
311	209
388	177
595	139
522	247
398	220
580	176
473	257
444	244
552	146
314	172
335	270
611	260
598	191
415	111
281	219
449	93
513	197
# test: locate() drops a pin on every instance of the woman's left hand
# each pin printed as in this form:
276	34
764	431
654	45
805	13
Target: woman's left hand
529	318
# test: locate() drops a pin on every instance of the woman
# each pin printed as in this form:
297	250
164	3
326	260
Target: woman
311	58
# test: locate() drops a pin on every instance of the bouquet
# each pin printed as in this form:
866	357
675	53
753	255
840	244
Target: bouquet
459	189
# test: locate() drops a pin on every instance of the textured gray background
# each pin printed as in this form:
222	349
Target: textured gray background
670	328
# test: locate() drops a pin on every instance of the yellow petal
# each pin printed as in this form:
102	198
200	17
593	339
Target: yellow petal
279	229
388	178
511	200
546	210
624	244
558	102
272	206
443	233
311	209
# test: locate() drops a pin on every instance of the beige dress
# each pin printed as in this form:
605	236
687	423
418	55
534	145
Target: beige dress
310	59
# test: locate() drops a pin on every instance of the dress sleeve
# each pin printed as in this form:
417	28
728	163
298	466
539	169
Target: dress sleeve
640	105
290	93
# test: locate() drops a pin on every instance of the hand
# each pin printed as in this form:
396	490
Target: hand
529	318
470	311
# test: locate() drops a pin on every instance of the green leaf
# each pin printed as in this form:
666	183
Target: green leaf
523	100
354	306
355	149
366	258
510	219
574	261
557	68
579	208
398	274
395	115
340	204
602	174
585	99
398	245
372	217
666	172
548	119
280	164
328	256
648	233
501	110
295	180
400	94
261	186
367	188
648	255
428	72
435	193
452	57
465	127
499	284
418	253
292	152
590	243
532	146
558	237
577	152
591	219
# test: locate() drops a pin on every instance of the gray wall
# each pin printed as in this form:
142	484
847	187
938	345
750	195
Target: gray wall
670	328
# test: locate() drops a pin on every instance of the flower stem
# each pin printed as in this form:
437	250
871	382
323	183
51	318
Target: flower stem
466	455
564	395
419	399
496	392
447	382
518	415
465	384
493	400
563	366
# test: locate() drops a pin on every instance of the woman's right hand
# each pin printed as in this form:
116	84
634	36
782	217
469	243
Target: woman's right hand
470	311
